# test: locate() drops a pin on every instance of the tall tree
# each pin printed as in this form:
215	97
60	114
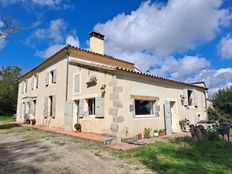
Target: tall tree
8	89
222	103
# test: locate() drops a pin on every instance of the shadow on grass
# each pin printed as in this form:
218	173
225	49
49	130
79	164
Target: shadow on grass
9	126
185	156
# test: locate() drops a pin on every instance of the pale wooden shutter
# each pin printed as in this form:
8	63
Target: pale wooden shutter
185	93
68	115
32	82
81	108
53	106
46	79
22	87
195	95
99	107
157	110
77	83
54	76
45	107
168	117
21	108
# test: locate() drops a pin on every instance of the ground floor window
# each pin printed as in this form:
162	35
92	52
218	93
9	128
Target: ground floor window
91	106
144	107
50	106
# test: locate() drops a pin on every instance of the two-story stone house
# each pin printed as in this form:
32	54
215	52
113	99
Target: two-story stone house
106	95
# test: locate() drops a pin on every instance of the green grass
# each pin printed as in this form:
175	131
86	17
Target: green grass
183	156
5	119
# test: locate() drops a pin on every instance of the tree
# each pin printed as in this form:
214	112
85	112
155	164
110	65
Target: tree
7	27
8	89
222	103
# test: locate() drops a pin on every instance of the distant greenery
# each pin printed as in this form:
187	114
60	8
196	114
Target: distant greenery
222	106
8	89
183	156
5	119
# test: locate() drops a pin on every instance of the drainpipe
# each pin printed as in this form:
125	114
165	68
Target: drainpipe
206	107
67	70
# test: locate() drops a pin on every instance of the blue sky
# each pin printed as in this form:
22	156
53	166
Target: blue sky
188	40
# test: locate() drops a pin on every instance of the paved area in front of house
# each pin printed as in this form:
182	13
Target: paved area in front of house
25	150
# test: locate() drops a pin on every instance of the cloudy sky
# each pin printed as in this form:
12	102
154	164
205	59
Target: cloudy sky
187	40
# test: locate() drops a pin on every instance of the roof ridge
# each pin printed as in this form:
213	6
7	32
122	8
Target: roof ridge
105	55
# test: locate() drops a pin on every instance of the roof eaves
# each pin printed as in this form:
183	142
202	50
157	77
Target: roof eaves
158	77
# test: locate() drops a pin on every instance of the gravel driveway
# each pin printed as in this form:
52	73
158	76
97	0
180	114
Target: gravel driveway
25	150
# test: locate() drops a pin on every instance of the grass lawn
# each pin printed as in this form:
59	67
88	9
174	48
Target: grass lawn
183	156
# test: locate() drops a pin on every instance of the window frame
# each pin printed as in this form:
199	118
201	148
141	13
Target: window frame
93	106
145	115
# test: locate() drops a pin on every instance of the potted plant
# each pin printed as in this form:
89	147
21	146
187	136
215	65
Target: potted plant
139	136
77	127
161	132
155	133
147	132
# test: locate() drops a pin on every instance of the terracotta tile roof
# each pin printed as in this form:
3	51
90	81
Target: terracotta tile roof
107	56
158	77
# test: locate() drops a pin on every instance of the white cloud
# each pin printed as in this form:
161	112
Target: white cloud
54	4
225	47
175	26
215	79
50	51
54	31
184	68
72	40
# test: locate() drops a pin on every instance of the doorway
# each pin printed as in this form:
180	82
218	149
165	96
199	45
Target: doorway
77	110
170	114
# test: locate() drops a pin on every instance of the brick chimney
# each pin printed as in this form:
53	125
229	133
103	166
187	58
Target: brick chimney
97	42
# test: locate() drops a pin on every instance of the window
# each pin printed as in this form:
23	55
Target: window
25	86
144	107
53	76
190	97
91	106
50	107
36	80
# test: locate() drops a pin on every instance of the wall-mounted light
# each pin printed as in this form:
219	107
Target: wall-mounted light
103	91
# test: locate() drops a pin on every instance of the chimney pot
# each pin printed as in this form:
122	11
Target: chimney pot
97	42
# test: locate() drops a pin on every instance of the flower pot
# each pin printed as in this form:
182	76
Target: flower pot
155	134
139	136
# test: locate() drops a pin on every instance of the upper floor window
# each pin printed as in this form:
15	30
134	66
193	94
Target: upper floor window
50	77
190	97
34	81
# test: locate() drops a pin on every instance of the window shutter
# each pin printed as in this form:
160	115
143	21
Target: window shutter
53	106
68	115
81	108
185	97
22	87
54	76
195	93
32	82
157	110
45	107
46	79
21	108
77	83
99	107
168	117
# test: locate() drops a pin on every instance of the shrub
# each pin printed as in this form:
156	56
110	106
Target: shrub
147	132
78	126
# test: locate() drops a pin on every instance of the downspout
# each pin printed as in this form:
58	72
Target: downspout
206	107
67	70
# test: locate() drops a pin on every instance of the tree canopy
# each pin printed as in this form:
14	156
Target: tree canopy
222	105
8	89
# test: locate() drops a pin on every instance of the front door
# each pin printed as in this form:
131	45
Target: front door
168	117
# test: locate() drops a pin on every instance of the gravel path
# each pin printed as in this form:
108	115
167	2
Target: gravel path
24	150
